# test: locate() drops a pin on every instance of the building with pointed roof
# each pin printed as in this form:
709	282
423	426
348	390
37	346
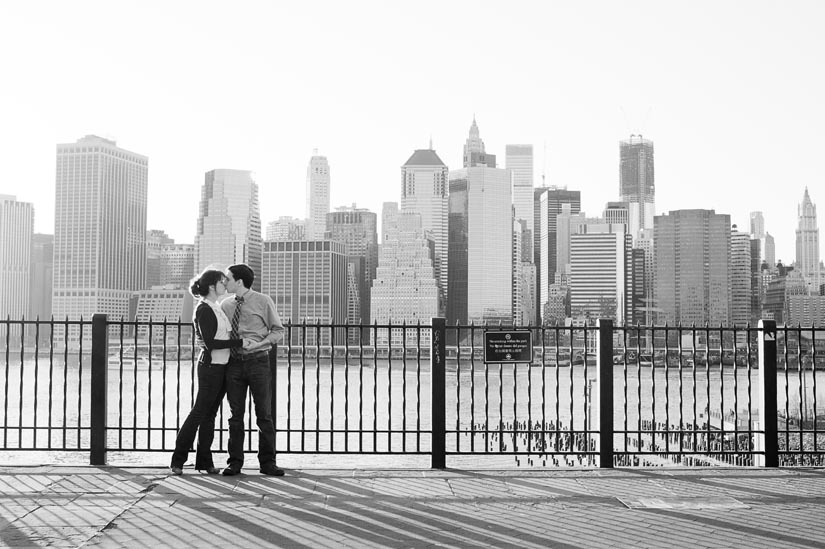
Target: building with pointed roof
424	191
807	244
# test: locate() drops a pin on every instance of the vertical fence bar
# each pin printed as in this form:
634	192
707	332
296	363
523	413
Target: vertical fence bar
605	388
767	440
438	386
98	402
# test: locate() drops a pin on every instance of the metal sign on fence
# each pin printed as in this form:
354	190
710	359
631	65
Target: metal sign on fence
508	346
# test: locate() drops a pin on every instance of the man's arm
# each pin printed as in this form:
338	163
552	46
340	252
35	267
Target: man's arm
273	321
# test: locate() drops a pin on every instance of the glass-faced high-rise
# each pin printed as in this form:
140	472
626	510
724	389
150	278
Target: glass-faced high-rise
16	232
636	182
519	160
229	222
100	228
481	246
317	197
693	283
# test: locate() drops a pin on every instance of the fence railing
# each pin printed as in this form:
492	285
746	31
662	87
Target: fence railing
595	396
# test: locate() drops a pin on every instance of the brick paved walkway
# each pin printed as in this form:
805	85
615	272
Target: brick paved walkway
146	507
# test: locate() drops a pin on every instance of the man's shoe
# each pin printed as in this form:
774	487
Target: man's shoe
231	471
176	470
272	470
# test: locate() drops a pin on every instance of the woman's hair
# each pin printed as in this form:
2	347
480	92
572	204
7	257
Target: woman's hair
199	286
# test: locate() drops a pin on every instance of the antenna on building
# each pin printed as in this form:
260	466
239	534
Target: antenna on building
544	164
431	141
315	152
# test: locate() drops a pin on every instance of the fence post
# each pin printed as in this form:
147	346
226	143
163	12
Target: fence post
604	385
273	384
768	440
438	388
99	402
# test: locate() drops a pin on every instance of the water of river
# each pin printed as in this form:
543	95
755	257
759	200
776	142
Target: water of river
322	406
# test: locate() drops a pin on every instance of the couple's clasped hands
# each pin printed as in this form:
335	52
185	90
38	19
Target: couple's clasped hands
251	345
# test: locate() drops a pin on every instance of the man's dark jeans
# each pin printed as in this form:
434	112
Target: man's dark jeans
211	389
250	372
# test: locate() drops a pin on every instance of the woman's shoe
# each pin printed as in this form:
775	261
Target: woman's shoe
211	470
176	470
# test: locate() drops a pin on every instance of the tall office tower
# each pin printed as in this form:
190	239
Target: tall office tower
807	244
424	182
155	241
357	229
40	282
519	161
638	305
405	288
757	225
636	179
567	224
600	284
646	313
769	250
551	206
740	277
617	212
474	153
692	250
99	230
537	193
307	280
524	276
177	265
286	228
16	232
317	192
757	290
229	222
481	243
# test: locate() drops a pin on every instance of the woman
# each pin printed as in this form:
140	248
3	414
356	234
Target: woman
212	331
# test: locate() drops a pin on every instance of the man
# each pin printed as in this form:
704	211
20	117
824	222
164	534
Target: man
252	317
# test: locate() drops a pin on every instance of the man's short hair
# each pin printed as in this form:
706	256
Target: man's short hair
243	272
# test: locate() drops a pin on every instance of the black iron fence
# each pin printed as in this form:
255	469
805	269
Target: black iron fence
588	395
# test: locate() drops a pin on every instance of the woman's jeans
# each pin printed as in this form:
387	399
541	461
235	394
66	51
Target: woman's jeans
211	390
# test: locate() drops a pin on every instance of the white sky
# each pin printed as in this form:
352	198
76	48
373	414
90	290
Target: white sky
732	93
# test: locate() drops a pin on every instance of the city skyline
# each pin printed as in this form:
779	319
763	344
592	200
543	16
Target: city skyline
720	109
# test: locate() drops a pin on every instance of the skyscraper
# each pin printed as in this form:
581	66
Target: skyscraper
481	243
692	251
307	280
636	182
600	277
474	153
155	241
405	288
42	272
100	228
757	225
16	231
357	229
807	244
424	180
519	160
317	196
550	206
229	222
740	277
